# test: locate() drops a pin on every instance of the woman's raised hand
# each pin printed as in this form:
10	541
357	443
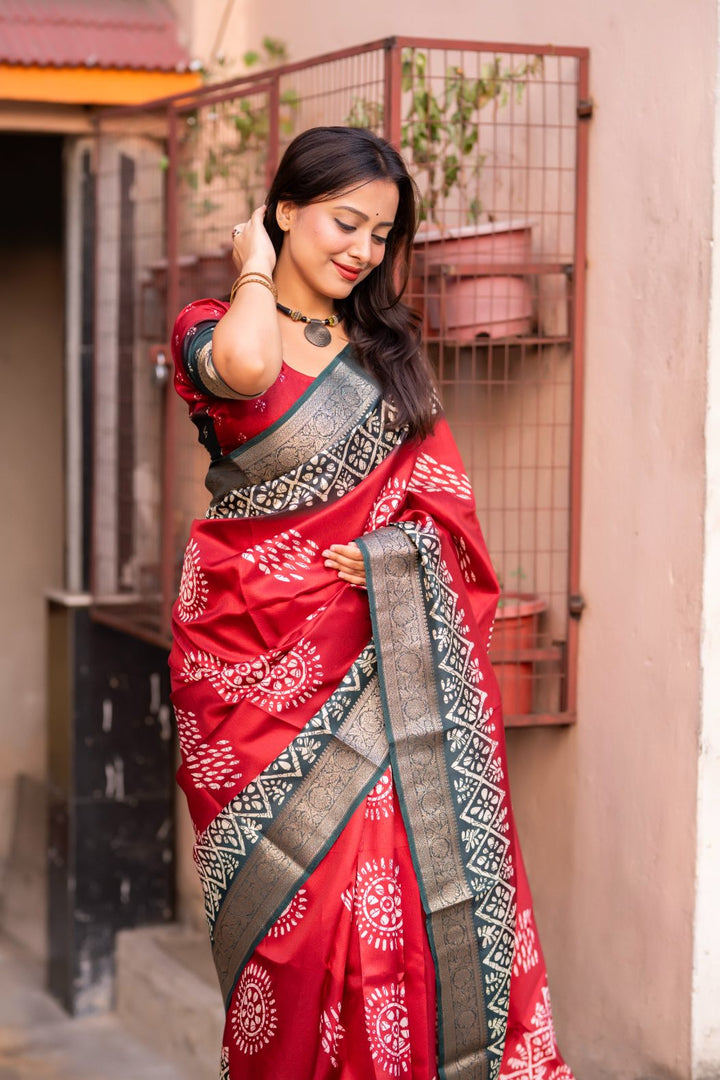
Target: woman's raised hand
246	343
348	561
252	247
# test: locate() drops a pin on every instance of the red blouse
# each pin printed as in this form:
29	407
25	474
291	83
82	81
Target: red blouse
224	419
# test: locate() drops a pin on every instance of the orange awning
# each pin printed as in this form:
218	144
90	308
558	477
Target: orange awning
91	86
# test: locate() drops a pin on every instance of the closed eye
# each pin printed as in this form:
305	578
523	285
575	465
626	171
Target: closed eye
352	228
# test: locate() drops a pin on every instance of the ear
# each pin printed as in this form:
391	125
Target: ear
285	214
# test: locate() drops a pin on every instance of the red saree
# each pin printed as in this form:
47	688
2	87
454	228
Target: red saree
344	761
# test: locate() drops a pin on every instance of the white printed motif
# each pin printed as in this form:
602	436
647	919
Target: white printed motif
386	505
386	1023
214	767
193	595
526	953
531	1054
378	904
253	1018
430	475
290	916
464	559
211	766
286	556
187	728
276	680
379	802
347	898
331	1033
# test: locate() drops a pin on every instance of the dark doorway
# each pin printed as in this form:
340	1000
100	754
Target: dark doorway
31	189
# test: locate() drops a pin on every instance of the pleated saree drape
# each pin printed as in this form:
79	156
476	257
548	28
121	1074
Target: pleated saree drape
344	760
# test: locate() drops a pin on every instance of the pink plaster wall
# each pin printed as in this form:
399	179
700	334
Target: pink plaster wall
607	810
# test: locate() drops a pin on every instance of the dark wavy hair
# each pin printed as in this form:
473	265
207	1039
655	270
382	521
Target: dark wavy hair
385	333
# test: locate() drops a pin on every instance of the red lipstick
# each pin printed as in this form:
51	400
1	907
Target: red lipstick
350	273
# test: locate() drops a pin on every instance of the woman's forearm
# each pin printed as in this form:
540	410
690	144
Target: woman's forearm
247	348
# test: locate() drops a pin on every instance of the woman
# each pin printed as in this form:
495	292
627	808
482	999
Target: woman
343	752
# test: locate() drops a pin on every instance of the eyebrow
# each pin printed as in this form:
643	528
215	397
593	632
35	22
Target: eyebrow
360	214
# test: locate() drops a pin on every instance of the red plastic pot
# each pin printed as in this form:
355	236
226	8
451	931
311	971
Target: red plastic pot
515	635
469	291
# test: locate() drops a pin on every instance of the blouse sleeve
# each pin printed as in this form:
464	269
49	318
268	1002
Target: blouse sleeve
192	352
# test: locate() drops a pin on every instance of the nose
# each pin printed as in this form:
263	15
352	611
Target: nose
361	247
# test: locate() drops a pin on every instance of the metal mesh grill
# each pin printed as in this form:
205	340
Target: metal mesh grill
493	137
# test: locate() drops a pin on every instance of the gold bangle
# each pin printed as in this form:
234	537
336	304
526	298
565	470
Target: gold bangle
254	277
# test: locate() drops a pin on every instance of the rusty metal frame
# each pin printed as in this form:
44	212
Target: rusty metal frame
575	602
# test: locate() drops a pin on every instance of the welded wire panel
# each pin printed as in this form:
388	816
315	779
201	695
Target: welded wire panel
492	136
220	174
346	91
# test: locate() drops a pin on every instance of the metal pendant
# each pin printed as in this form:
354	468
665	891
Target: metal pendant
317	333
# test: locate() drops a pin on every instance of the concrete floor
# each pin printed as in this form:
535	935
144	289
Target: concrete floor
39	1041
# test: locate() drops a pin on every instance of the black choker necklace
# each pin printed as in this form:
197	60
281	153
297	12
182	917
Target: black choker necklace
316	330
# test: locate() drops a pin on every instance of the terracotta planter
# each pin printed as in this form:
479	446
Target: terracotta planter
514	636
468	295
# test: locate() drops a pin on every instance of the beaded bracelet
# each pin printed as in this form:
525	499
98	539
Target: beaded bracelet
254	277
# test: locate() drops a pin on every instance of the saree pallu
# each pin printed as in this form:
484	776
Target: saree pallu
344	760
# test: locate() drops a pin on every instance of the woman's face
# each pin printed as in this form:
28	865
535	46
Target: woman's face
333	244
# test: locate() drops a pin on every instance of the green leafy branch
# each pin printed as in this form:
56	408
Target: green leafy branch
241	157
441	127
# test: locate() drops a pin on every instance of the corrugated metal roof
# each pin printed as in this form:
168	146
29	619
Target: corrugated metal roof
139	34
